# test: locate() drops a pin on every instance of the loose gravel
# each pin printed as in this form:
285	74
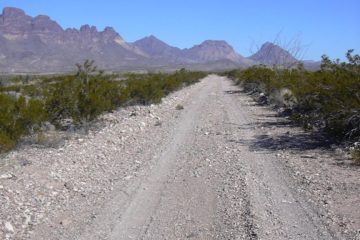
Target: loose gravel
221	167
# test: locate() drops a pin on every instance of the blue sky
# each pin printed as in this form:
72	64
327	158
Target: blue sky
330	27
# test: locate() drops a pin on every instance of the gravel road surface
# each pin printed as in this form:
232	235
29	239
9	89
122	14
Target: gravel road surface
213	170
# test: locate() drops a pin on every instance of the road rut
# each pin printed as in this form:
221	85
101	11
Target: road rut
207	183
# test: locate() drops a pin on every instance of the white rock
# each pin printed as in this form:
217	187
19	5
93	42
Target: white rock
9	227
6	176
128	177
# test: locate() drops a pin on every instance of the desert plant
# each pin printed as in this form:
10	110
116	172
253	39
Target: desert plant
76	99
179	107
18	117
355	152
328	99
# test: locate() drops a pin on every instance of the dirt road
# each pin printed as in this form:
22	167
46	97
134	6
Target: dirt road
207	184
200	173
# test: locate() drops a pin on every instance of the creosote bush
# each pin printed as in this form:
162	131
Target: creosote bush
18	117
26	103
327	99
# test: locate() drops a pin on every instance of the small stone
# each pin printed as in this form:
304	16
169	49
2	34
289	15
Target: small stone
24	162
6	176
68	186
9	227
65	222
128	177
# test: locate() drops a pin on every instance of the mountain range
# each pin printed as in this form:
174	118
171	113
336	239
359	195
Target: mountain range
40	44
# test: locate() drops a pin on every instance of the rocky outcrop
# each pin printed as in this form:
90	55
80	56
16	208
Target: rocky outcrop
272	54
211	51
40	44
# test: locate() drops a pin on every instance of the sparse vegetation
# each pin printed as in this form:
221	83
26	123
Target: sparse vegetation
18	117
26	103
326	100
179	107
355	152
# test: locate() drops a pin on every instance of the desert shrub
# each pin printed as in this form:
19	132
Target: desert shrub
328	99
355	154
81	101
151	88
27	102
32	90
144	91
179	107
18	117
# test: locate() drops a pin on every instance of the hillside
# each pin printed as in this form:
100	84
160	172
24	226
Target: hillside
40	44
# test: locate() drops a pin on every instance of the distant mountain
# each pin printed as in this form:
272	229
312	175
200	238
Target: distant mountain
40	44
209	52
272	54
155	48
212	51
311	65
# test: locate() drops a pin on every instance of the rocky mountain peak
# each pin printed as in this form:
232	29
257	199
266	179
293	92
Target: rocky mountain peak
214	50
154	47
43	23
11	12
270	53
215	43
88	29
14	21
151	41
268	44
41	44
152	38
109	33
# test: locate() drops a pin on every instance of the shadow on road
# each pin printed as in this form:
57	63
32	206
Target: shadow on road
299	142
276	138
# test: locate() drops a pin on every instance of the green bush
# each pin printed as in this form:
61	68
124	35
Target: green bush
355	154
80	97
328	99
81	101
18	117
